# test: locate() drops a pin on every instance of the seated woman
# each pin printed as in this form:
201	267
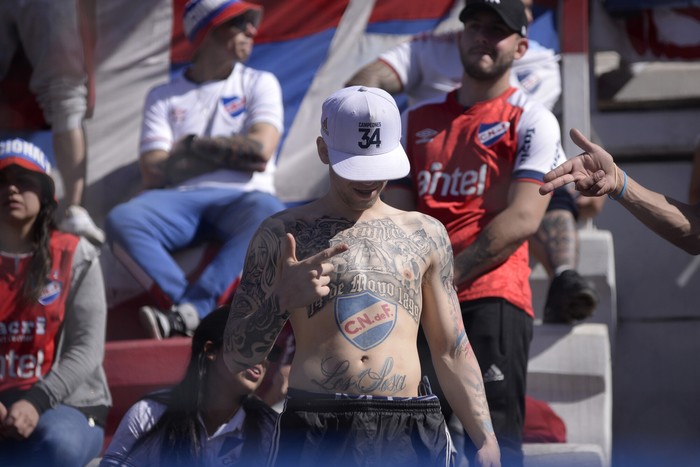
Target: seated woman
53	391
210	418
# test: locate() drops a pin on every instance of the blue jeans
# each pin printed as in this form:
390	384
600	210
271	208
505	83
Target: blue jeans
158	222
62	438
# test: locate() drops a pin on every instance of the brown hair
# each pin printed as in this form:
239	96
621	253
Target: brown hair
40	262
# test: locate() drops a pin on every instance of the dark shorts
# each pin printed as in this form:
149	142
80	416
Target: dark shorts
315	429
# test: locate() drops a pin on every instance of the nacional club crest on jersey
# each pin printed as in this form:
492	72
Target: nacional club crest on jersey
365	319
51	292
489	133
234	105
529	81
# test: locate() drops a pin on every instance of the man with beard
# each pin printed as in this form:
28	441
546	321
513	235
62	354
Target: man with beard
478	158
427	67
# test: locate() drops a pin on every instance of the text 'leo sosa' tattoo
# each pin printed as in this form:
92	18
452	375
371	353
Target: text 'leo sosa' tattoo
368	381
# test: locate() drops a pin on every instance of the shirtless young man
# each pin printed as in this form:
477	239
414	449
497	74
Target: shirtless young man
356	278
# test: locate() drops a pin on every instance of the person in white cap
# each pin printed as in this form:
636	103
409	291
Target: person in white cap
356	279
207	157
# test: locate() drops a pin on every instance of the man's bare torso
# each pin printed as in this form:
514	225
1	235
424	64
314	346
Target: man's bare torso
360	339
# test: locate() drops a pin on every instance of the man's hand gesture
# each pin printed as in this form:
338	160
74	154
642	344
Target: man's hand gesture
300	283
593	171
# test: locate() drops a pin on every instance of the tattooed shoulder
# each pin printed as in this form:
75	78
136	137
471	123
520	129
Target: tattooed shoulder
438	233
315	235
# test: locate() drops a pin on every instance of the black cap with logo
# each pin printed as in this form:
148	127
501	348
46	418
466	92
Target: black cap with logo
512	12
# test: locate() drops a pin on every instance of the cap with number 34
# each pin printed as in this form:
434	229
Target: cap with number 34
362	129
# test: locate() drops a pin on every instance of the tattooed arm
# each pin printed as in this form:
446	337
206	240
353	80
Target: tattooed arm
377	74
504	234
555	243
273	284
452	355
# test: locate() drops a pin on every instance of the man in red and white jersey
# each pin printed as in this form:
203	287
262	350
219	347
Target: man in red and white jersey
427	67
478	158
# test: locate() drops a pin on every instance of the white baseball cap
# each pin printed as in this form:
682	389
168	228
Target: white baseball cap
362	129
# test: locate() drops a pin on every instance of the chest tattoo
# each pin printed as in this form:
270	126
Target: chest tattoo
382	259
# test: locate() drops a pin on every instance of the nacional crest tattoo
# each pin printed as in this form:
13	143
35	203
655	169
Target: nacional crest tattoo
365	319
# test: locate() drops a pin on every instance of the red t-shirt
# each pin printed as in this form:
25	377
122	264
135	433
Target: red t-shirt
28	334
463	161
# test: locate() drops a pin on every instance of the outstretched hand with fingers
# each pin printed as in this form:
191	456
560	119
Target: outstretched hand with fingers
303	282
593	172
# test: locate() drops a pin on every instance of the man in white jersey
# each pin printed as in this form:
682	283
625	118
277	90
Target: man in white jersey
207	149
427	67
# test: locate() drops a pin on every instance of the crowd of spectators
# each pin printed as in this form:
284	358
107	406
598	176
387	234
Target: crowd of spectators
207	151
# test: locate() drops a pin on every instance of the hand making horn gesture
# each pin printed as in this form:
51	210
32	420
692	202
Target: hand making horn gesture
593	171
304	282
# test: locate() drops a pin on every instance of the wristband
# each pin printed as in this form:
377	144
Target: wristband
624	187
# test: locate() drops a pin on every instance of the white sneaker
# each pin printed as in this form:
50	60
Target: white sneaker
180	320
77	221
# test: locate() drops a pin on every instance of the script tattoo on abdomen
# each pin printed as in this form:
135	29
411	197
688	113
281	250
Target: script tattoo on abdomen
336	378
382	258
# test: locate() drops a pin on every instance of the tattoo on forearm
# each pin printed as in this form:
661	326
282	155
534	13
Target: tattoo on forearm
260	330
446	261
480	407
256	317
336	377
462	345
557	234
480	257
